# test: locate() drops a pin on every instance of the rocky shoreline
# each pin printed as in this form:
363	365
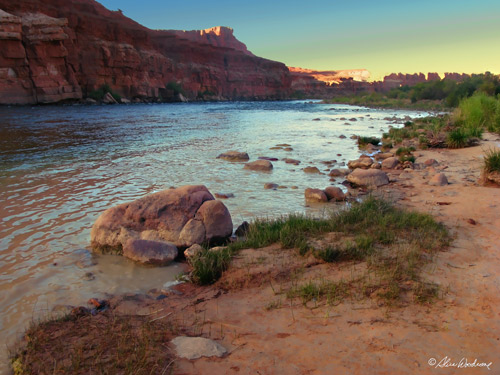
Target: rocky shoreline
244	314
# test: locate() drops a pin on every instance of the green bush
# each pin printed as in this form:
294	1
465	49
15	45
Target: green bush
478	112
492	161
363	141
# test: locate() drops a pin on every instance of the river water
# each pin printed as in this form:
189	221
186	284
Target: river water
61	166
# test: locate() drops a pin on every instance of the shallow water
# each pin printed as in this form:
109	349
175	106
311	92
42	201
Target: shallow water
60	167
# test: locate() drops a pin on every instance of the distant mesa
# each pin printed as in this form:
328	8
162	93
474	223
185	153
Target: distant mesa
332	76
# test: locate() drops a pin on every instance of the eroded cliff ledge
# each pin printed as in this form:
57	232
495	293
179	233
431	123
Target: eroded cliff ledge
54	50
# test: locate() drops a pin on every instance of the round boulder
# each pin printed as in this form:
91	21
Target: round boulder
368	177
390	163
315	195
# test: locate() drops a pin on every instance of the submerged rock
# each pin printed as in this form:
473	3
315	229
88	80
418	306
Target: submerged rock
311	170
270	186
150	252
259	165
182	216
291	161
234	156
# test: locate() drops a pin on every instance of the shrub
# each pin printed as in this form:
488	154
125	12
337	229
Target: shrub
209	265
363	141
492	161
478	112
457	138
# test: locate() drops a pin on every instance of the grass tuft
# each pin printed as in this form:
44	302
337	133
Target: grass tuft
363	141
491	161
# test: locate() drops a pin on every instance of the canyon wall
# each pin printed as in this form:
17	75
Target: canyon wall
55	50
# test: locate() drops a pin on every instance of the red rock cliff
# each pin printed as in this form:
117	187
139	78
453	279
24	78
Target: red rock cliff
52	50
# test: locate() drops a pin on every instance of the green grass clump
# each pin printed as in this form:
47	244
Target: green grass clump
480	111
363	141
291	232
390	240
492	161
457	138
208	266
333	291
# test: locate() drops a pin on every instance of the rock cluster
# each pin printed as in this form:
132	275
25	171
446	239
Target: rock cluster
148	229
331	193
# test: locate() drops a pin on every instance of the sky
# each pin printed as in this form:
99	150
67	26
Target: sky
383	36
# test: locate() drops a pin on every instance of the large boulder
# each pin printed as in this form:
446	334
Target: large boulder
182	216
259	165
390	163
368	177
334	193
315	195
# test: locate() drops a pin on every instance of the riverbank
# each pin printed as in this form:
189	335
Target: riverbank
378	101
267	332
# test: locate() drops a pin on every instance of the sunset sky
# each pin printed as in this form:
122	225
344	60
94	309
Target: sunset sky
382	36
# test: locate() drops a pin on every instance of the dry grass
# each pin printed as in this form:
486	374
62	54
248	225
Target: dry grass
101	344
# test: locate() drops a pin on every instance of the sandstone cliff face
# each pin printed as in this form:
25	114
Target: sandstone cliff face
53	50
